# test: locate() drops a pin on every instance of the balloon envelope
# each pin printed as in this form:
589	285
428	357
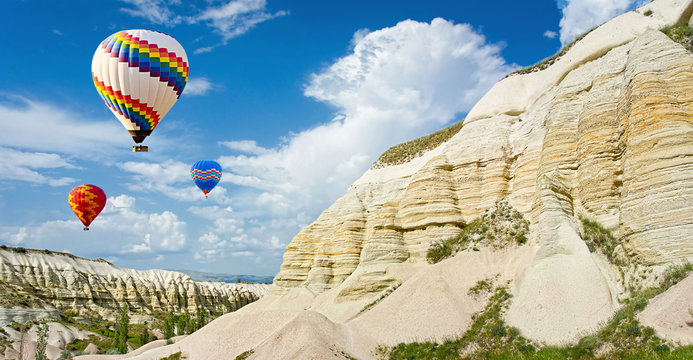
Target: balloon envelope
87	201
139	74
206	174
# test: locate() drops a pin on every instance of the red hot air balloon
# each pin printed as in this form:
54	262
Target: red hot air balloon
87	201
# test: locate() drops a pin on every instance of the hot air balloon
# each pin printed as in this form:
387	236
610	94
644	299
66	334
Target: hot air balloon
206	174
87	201
139	74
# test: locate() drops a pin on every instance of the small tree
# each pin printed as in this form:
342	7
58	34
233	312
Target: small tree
41	342
201	318
121	337
182	323
191	324
144	335
169	323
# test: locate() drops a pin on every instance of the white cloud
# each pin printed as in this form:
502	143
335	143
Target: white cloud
204	49
211	212
146	246
212	247
230	19
14	238
398	83
246	146
121	228
57	32
157	231
550	34
171	178
198	86
34	125
582	15
21	166
155	11
236	17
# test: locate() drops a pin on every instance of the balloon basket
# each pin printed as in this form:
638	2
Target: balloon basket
86	229
140	148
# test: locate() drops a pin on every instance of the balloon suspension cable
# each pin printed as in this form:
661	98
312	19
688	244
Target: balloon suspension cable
86	228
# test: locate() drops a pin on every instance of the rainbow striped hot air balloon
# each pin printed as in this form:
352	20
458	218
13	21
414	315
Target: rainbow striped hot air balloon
139	74
206	174
87	201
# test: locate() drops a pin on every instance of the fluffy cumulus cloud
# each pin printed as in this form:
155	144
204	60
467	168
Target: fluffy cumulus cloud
582	15
397	84
14	236
121	228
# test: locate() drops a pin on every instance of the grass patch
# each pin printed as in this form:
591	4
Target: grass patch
176	356
382	296
481	287
623	337
498	227
244	355
550	60
597	237
405	152
681	33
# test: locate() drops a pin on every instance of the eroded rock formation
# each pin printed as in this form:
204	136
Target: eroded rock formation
58	282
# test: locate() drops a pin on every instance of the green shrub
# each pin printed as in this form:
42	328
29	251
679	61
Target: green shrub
244	355
497	227
482	286
597	237
681	33
175	356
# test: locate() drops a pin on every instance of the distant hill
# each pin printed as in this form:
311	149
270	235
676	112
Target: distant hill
227	278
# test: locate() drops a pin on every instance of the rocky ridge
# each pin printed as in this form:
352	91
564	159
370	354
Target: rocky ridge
38	283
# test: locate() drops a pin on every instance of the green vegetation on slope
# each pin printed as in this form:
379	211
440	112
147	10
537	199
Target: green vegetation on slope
623	337
681	33
405	152
497	227
550	60
244	355
487	338
597	237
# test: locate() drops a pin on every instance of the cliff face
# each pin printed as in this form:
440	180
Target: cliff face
605	133
36	283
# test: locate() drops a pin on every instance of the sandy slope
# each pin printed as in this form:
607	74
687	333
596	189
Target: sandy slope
671	313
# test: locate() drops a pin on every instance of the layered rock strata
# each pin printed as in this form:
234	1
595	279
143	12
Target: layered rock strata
606	133
63	282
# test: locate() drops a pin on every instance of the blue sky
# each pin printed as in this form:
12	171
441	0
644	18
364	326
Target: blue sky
295	99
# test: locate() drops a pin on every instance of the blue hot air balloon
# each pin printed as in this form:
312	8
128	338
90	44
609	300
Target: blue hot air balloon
206	174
